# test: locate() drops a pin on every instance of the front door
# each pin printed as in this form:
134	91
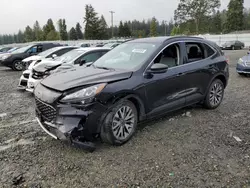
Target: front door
165	91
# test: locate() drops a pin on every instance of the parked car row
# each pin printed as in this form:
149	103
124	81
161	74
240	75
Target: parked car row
90	93
13	57
55	59
233	45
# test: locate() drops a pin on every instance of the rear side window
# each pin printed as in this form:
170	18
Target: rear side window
63	51
208	50
195	52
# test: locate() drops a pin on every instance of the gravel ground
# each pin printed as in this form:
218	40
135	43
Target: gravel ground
189	148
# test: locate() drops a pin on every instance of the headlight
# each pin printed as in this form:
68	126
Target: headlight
241	62
84	94
6	56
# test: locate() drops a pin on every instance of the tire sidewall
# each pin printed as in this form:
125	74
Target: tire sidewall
14	67
107	134
207	101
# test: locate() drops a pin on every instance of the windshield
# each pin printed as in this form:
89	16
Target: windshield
71	55
127	56
22	49
12	50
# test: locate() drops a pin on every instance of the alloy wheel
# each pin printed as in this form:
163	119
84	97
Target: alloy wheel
18	65
216	94
123	123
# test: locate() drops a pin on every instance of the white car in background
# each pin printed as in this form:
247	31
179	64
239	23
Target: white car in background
30	62
74	58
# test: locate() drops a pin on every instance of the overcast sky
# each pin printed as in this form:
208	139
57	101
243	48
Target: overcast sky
16	14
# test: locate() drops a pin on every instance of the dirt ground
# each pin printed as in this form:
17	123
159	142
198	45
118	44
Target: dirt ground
193	147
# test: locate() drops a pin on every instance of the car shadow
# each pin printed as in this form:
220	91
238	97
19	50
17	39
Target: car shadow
167	116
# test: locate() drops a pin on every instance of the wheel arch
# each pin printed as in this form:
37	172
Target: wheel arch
219	76
136	100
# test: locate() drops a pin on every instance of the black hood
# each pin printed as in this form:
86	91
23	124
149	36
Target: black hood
47	65
81	76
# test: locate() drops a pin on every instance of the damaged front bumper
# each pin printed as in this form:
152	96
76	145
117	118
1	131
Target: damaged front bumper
76	125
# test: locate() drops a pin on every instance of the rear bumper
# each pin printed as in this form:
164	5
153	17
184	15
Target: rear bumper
242	69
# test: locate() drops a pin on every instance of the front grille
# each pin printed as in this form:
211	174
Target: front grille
23	83
37	75
48	112
26	75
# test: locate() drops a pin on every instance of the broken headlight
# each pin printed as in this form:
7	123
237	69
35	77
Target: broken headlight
84	95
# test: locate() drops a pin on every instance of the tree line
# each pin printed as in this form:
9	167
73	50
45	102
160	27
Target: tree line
190	17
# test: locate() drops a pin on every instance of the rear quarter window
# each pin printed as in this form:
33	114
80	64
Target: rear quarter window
209	50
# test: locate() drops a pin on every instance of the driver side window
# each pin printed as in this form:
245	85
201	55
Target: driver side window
170	56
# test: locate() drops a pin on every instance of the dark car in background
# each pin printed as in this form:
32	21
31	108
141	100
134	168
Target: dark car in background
133	82
5	49
14	59
233	45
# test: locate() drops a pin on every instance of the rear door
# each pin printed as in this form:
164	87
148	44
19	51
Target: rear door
197	68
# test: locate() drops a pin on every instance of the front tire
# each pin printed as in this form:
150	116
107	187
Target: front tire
120	123
233	47
214	95
17	65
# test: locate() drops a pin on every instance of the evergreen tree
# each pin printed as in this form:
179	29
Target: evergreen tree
103	28
153	27
126	30
38	32
53	35
49	28
175	31
72	34
235	16
28	34
216	23
92	23
121	30
79	31
20	37
63	29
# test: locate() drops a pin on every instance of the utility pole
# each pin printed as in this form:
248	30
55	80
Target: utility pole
112	12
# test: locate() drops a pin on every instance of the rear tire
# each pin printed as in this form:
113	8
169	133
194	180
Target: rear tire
120	123
214	95
17	65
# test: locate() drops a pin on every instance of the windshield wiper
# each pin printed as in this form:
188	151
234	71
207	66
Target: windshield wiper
105	68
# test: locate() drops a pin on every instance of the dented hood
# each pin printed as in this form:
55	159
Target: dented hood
81	76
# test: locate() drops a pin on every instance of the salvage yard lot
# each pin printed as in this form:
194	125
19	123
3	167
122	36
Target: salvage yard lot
189	148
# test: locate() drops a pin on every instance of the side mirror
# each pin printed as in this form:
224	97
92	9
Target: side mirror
158	68
83	61
54	56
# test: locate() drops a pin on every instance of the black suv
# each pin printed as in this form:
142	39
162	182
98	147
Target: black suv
14	59
135	81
